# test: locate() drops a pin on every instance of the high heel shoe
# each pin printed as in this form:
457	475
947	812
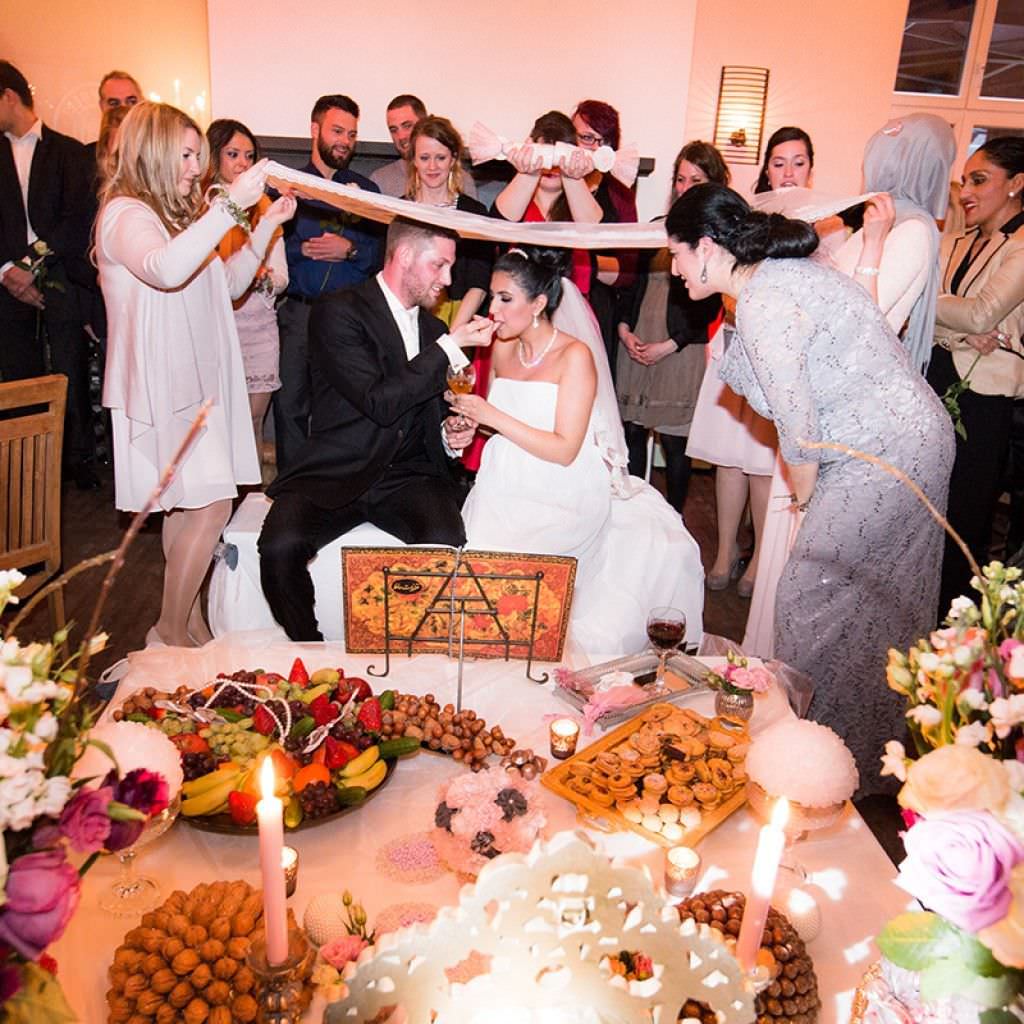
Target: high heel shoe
153	638
721	581
745	587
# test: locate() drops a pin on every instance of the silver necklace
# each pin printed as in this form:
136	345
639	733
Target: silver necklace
531	363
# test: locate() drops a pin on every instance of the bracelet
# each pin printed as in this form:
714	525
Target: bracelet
798	506
867	271
218	195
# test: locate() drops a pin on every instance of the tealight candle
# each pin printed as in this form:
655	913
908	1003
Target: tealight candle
290	864
564	734
682	865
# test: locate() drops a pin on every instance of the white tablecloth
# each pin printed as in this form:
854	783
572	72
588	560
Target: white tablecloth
846	862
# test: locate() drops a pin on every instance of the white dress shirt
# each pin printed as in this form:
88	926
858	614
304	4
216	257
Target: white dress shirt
23	148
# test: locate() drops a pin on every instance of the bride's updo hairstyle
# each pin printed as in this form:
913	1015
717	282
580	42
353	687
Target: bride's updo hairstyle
537	272
724	216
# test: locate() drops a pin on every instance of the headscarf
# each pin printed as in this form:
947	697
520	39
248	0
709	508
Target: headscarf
911	158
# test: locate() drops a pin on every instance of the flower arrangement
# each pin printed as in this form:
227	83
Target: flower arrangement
963	800
47	816
632	966
738	678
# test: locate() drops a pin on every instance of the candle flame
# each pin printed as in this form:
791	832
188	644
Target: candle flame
780	814
267	780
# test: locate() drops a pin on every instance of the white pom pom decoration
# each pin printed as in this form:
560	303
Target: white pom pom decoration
135	746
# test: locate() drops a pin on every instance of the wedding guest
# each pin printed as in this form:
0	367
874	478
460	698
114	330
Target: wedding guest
233	150
726	431
663	333
327	249
402	114
173	344
978	361
45	218
118	89
380	449
814	353
106	145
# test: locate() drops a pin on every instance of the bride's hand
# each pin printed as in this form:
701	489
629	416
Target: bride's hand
473	407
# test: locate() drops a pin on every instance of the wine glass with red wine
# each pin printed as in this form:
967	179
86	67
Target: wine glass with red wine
666	628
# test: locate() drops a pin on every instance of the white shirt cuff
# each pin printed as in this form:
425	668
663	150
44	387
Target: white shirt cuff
7	266
455	355
452	453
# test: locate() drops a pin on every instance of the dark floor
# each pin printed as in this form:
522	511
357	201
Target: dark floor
92	526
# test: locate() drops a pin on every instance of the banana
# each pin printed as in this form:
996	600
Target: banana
362	763
369	779
196	787
212	800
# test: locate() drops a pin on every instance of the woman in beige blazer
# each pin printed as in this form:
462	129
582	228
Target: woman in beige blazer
978	359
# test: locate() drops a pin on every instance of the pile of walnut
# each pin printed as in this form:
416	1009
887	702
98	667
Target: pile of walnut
792	994
459	733
186	961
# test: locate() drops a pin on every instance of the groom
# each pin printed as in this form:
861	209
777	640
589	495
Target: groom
380	447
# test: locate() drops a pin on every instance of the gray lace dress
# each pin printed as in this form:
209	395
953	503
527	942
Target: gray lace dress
814	353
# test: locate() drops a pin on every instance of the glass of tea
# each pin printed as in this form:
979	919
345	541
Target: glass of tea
461	382
666	628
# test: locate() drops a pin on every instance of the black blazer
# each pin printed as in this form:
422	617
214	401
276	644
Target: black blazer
366	396
60	204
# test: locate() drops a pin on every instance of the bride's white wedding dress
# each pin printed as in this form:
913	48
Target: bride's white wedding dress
633	551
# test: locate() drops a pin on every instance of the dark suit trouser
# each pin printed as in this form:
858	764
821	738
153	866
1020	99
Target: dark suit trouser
416	509
22	355
292	401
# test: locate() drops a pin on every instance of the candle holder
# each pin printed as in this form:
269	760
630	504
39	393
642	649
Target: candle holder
290	864
279	995
682	866
564	733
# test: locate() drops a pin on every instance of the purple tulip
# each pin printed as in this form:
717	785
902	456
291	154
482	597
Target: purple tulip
42	893
84	822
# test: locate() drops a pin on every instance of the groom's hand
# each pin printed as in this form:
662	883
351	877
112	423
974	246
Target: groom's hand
478	332
458	432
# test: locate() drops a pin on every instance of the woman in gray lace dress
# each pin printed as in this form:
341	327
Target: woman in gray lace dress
814	353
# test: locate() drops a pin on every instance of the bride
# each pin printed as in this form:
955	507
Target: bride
553	478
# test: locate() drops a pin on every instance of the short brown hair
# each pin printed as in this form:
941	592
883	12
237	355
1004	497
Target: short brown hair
120	75
402	231
406	99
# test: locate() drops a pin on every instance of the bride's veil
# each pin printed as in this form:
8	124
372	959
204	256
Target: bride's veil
574	316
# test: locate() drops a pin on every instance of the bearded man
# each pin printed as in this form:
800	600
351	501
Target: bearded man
380	448
327	250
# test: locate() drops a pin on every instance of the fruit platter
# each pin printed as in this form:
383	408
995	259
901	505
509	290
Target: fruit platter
324	732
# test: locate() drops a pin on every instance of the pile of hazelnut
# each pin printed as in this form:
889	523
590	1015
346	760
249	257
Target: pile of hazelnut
792	994
187	960
459	733
142	700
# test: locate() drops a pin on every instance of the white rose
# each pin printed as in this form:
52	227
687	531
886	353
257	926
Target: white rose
894	760
1006	713
973	699
973	735
925	715
20	787
54	796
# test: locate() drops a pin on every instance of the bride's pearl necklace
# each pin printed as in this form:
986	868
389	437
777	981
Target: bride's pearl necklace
529	364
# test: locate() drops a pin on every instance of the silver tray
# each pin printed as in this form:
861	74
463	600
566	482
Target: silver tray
684	666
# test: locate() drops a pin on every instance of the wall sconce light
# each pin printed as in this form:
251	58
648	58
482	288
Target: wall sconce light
739	120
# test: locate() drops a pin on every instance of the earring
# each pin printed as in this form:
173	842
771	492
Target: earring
536	321
704	274
1012	194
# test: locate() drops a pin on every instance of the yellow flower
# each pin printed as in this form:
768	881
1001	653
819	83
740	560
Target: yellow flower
955	778
1006	938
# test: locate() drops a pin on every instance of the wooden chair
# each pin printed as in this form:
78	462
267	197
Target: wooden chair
30	471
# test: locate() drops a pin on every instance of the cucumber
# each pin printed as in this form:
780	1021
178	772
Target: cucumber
387	700
303	727
398	747
348	797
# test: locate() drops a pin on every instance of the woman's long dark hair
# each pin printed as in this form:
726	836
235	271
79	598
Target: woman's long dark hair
219	134
724	216
780	135
554	126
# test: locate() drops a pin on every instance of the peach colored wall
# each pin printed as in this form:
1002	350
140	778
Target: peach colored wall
64	47
832	71
502	63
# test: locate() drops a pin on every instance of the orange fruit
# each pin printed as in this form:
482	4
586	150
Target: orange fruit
311	773
284	766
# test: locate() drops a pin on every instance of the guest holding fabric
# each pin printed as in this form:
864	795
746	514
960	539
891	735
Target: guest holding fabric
233	150
813	352
173	344
663	332
978	361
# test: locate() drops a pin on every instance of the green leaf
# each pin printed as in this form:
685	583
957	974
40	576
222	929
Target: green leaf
39	1001
998	1016
979	957
916	940
994	993
229	715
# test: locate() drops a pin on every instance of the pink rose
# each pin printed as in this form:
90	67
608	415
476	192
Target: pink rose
758	680
959	865
339	952
84	822
42	893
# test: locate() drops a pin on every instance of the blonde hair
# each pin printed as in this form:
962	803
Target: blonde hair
149	160
441	130
106	145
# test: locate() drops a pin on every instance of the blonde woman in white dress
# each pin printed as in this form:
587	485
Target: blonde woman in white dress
172	343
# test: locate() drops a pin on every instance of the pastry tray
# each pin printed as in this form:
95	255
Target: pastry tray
684	677
611	819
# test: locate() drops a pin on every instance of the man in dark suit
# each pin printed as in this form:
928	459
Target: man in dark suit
44	205
380	447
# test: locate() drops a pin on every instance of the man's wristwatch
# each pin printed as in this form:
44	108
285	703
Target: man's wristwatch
352	253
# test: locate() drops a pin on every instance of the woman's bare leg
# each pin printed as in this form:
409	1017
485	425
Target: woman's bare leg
730	500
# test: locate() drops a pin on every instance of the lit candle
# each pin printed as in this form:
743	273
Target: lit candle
290	865
681	867
270	815
770	844
564	734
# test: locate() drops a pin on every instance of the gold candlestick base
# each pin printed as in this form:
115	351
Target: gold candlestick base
279	989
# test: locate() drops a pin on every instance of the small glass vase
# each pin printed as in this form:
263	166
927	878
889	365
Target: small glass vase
737	706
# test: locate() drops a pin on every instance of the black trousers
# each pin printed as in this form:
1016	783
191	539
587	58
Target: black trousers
23	355
977	472
292	400
415	508
677	463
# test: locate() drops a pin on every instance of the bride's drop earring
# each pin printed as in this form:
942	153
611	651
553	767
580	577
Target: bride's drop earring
704	274
536	321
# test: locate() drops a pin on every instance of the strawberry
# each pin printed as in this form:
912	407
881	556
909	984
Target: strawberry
369	715
157	714
339	753
242	807
190	743
322	710
263	721
354	686
298	675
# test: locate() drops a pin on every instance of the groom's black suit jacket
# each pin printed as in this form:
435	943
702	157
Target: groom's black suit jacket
367	396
